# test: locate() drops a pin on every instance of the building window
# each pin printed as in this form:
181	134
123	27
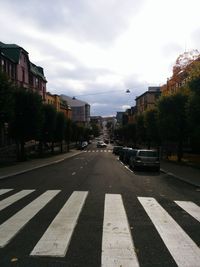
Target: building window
36	82
23	75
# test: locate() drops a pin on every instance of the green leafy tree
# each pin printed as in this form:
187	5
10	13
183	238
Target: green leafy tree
151	126
68	132
140	130
6	103
60	129
129	132
26	120
48	127
172	120
95	130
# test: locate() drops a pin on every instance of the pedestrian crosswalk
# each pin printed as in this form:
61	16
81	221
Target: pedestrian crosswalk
98	151
118	243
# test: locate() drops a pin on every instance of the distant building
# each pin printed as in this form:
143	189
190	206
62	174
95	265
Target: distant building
80	110
14	61
97	120
119	117
147	100
59	104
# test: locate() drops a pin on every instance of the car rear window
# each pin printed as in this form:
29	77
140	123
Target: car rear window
148	153
133	152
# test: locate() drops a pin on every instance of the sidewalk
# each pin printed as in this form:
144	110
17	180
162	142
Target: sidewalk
26	166
185	173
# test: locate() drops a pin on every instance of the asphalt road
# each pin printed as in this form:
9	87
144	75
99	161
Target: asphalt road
101	188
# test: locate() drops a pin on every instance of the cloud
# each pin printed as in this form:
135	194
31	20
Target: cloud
96	50
99	21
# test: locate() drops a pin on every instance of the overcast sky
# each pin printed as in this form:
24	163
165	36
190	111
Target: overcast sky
97	49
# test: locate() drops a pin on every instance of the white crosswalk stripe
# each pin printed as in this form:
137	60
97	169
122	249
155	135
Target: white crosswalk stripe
12	199
190	208
13	225
117	244
117	240
184	251
3	191
97	151
56	239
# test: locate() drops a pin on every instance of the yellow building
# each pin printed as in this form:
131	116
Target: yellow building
59	104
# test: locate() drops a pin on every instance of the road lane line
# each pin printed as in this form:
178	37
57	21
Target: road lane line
10	200
117	244
3	191
191	208
56	239
184	251
15	223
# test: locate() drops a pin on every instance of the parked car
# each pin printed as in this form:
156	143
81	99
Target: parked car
128	154
117	149
145	158
83	145
122	153
101	144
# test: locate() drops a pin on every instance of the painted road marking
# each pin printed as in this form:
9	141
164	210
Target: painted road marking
191	208
10	200
117	244
3	191
56	239
184	251
14	224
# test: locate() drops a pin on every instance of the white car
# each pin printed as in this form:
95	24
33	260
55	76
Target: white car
101	144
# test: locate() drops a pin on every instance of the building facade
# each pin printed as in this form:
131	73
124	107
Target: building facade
59	104
80	110
147	100
180	73
14	61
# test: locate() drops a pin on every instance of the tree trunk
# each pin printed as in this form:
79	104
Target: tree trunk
180	150
23	153
52	147
61	147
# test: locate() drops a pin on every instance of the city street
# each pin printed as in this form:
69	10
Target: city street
91	210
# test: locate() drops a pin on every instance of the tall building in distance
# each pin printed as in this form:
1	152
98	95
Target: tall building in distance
80	110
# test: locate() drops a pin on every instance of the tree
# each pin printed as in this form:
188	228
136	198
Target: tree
140	129
68	132
95	129
172	120
48	127
151	126
6	103
193	106
60	129
27	118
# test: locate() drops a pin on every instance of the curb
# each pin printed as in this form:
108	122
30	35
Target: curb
180	178
39	166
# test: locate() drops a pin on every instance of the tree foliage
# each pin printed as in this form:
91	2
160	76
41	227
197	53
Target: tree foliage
172	120
6	99
27	117
151	128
